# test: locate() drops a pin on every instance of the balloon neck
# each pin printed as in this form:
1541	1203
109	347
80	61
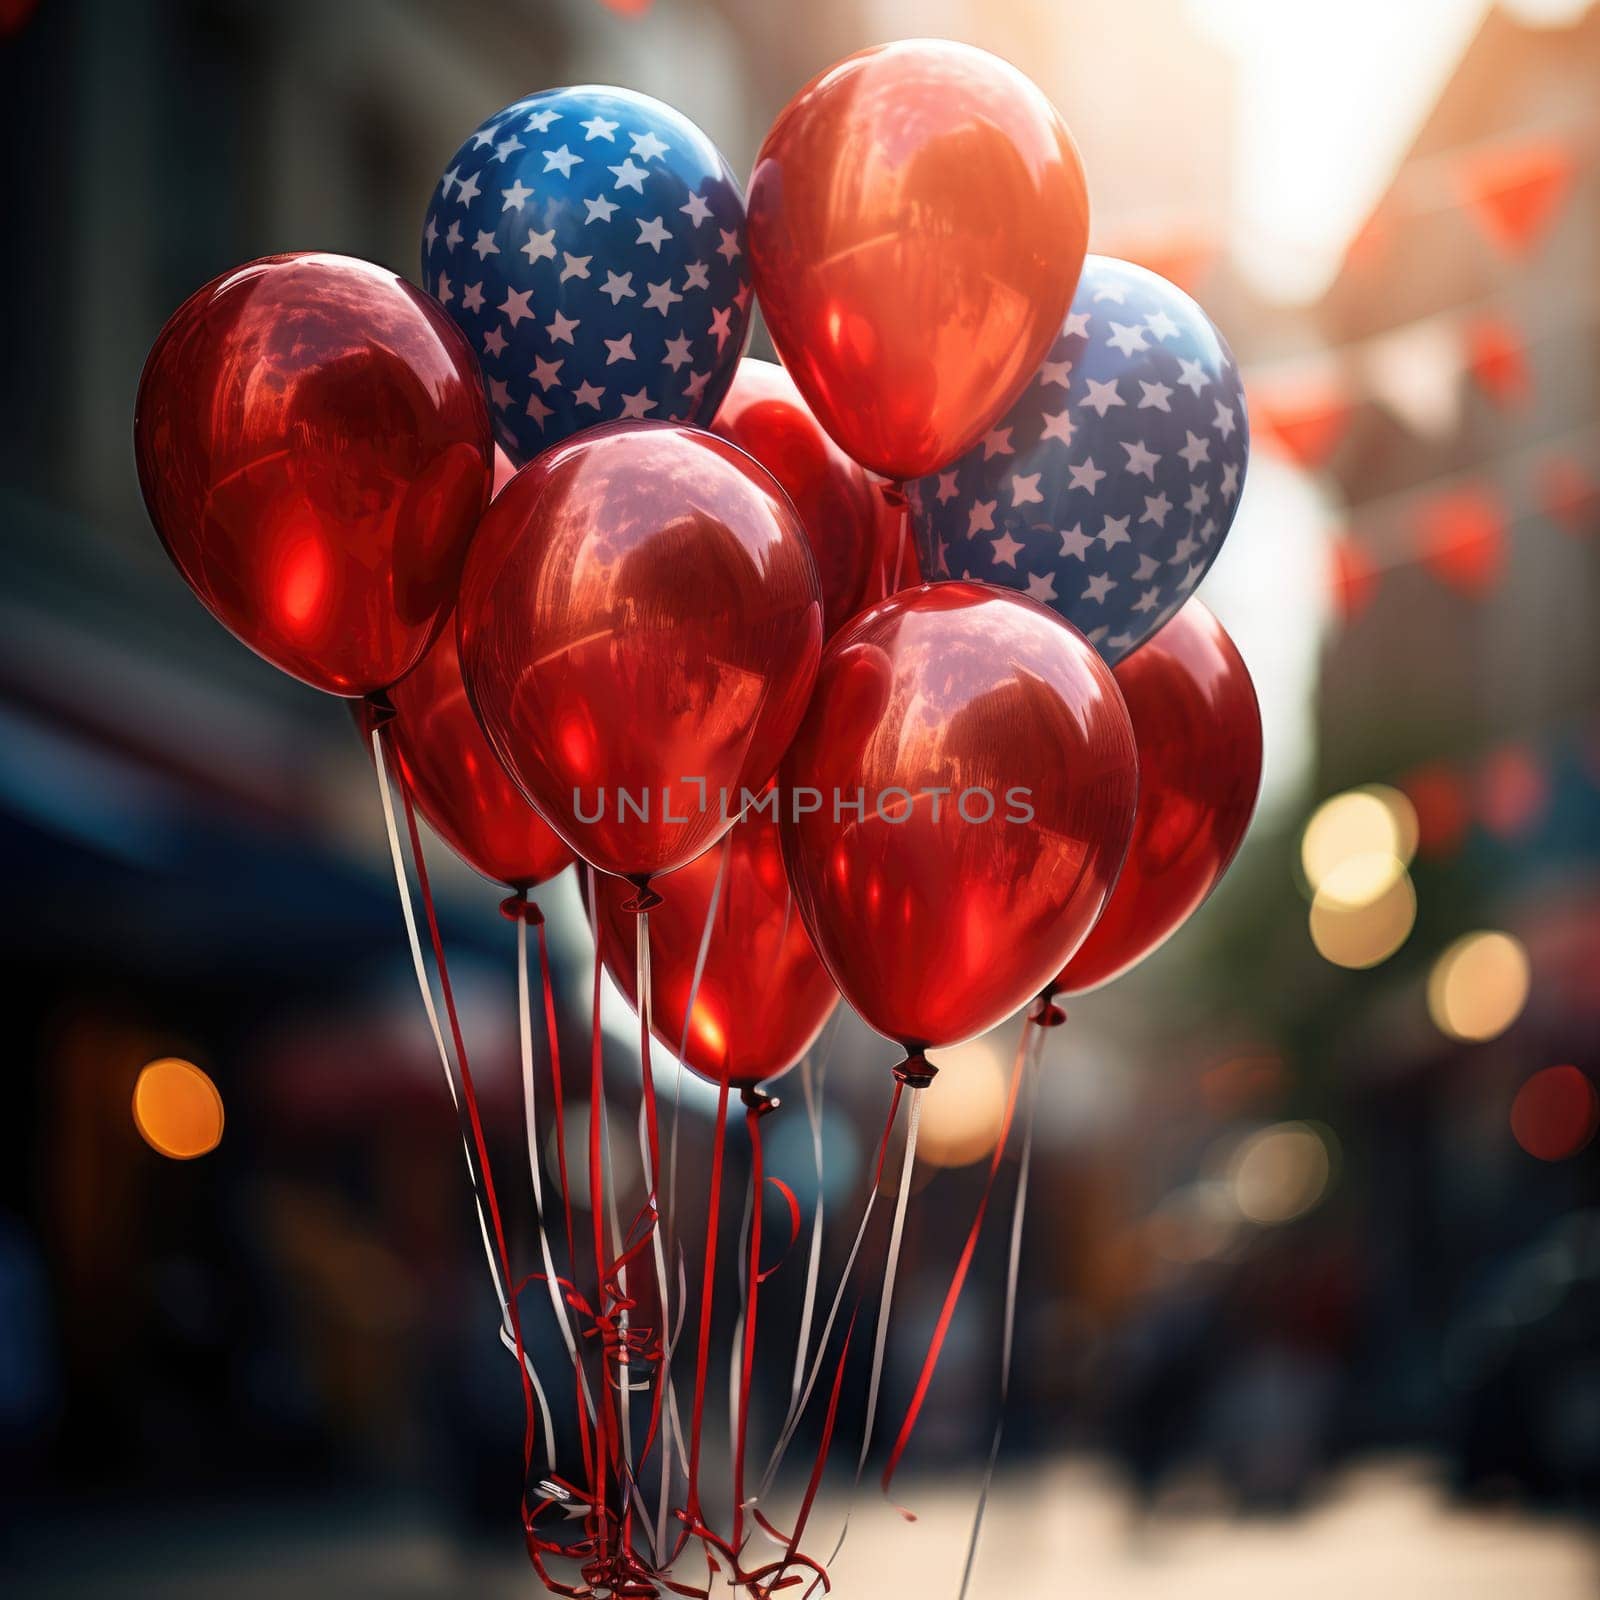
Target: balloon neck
1046	1013
894	496
644	897
757	1101
518	907
378	709
916	1071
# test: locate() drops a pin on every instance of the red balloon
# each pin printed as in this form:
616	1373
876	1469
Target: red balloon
996	765
917	222
313	446
1195	717
841	507
457	780
763	994
640	624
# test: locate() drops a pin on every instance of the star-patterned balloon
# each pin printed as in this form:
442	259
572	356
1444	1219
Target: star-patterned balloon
1107	490
591	244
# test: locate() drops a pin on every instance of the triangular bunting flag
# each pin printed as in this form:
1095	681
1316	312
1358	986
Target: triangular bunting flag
1498	361
1353	578
1515	190
1462	538
1416	372
1569	495
1307	413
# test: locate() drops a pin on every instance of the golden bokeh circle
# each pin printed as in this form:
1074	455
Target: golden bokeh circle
1479	986
1363	912
963	1110
177	1109
1373	821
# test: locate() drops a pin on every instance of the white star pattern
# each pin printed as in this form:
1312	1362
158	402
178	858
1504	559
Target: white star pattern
1005	550
1113	548
662	297
1057	425
540	246
628	175
1101	397
1025	490
653	234
1084	475
1140	462
1127	339
1075	542
600	278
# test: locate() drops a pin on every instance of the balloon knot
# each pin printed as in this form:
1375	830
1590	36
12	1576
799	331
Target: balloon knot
916	1071
893	496
519	908
379	708
756	1099
1046	1013
646	899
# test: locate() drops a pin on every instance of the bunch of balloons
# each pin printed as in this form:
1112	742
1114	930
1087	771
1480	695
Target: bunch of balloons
601	588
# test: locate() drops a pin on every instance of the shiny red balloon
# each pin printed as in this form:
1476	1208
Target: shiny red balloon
457	780
994	762
841	507
313	446
640	624
917	221
1198	725
763	994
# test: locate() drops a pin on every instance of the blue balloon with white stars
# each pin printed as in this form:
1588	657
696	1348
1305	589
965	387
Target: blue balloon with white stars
1107	490
591	245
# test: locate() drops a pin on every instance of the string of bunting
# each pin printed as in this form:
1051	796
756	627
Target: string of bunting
1514	188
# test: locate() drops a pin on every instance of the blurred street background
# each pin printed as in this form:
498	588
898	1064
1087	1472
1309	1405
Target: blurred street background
1311	1290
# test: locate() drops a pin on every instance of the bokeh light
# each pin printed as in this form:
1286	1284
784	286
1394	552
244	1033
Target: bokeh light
962	1112
1364	910
177	1109
1479	986
1280	1173
1374	823
1555	1114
